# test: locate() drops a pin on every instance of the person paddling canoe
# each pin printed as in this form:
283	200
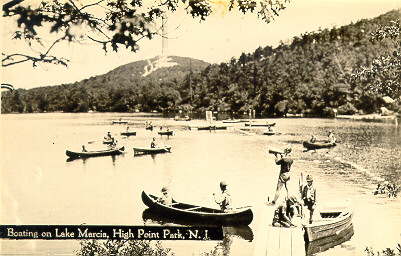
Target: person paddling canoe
224	200
166	197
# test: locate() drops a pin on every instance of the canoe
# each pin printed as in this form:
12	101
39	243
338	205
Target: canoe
199	214
149	127
231	121
168	133
182	118
330	223
260	125
138	151
208	128
106	152
316	145
107	141
268	133
151	217
120	122
128	133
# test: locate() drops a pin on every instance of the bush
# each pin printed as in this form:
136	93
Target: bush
347	109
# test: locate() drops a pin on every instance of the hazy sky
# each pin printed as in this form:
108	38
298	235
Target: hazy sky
221	37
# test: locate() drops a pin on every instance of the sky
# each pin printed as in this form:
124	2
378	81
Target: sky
221	37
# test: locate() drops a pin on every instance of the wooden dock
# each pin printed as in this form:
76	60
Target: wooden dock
278	241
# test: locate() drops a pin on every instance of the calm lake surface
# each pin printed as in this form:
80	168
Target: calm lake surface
39	186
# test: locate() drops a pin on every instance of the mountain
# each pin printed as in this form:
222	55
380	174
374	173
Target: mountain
310	75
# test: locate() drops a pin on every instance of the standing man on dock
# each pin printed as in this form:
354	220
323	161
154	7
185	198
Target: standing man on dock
309	196
285	162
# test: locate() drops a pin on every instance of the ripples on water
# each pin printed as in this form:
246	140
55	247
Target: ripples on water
40	187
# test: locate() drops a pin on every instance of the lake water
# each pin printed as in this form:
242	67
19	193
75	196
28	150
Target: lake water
39	186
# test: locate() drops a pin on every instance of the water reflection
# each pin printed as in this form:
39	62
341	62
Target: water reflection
324	244
244	232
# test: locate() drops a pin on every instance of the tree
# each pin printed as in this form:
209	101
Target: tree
110	23
384	74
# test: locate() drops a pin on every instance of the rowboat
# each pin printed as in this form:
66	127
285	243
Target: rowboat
106	152
158	150
316	145
128	133
199	214
330	223
168	133
120	122
260	125
326	243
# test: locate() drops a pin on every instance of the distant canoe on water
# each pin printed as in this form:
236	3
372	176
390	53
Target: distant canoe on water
149	127
259	124
231	121
208	128
319	144
106	152
330	223
119	122
168	133
157	150
108	141
186	118
128	133
199	214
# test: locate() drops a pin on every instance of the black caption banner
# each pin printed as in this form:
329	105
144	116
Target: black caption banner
51	232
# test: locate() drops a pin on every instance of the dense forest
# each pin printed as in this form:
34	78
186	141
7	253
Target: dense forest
309	75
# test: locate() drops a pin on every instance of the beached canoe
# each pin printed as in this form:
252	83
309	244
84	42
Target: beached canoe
158	150
128	133
199	214
319	144
106	152
168	133
260	124
330	223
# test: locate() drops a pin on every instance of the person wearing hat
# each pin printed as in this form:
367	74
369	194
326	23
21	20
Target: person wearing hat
224	200
285	162
153	143
166	198
331	138
285	212
108	136
309	196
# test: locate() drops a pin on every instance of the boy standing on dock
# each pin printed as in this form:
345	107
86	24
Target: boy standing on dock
285	162
309	196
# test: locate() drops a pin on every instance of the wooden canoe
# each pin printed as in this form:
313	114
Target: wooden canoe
199	214
177	118
150	127
120	122
208	128
128	133
260	124
319	144
158	150
326	243
168	133
107	141
106	152
330	223
232	121
268	133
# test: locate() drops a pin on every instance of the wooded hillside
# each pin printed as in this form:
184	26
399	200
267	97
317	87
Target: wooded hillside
309	75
